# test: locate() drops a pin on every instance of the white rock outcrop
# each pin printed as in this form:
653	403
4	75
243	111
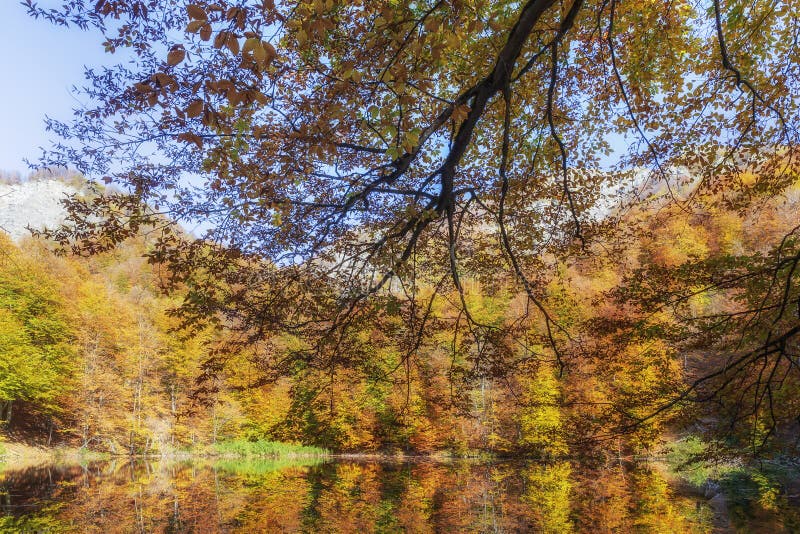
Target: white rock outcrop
35	203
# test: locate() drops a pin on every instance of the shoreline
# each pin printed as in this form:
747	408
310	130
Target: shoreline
18	455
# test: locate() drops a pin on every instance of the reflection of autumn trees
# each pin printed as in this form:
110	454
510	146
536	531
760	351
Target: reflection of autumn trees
615	499
348	497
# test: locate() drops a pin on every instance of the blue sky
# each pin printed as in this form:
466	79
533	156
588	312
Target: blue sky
39	63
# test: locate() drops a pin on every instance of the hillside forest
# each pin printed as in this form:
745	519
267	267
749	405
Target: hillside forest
96	354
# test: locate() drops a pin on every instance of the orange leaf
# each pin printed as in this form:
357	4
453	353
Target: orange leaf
195	108
196	12
195	25
269	49
190	137
219	40
175	56
233	45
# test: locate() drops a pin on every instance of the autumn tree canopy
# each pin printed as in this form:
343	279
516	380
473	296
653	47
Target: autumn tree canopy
340	162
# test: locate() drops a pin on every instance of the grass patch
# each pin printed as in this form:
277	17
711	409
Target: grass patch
266	449
265	466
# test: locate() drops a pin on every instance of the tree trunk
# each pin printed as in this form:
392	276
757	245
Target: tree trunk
5	411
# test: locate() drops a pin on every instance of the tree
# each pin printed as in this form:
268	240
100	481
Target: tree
341	156
35	351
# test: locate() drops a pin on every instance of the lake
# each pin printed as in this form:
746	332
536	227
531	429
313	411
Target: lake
345	495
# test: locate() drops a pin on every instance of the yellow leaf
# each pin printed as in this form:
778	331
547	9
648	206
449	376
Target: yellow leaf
250	44
453	40
259	53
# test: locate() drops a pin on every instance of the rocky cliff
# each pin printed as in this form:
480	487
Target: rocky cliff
34	203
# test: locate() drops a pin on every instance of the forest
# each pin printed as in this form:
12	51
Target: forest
552	231
96	354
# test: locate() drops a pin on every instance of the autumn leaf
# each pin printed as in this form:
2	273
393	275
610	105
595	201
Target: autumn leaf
460	113
233	44
190	137
195	108
195	12
175	56
219	40
195	25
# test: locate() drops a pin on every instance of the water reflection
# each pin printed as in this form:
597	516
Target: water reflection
342	496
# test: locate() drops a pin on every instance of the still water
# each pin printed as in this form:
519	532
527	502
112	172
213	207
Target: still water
342	495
